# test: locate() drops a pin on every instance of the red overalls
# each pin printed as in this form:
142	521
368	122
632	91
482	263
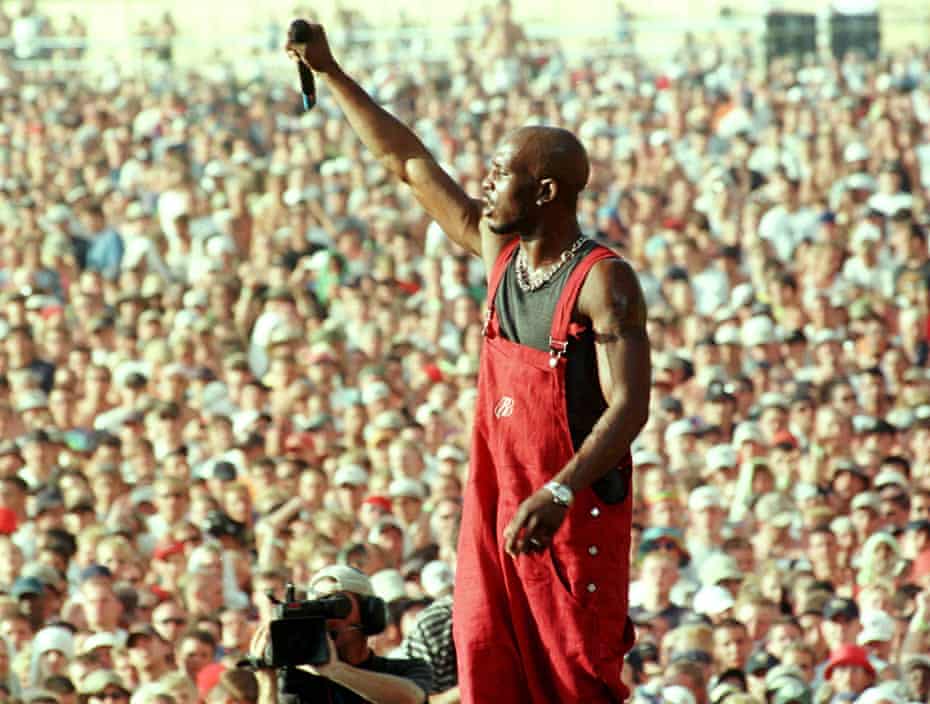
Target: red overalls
552	626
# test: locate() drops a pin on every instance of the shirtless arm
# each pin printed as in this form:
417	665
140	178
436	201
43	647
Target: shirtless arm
401	152
612	300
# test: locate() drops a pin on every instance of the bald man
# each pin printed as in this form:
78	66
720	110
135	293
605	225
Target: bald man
540	611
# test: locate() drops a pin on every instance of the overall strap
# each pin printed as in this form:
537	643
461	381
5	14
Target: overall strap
495	277
562	318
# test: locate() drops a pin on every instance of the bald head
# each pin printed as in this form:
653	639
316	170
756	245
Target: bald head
552	153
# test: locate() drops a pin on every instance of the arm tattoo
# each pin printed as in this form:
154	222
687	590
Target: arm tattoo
627	319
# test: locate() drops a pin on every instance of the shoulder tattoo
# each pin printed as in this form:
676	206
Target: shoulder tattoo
626	314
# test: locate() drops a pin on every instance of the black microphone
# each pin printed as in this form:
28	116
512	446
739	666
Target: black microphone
299	33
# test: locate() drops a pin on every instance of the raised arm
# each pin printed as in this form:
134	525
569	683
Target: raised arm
396	146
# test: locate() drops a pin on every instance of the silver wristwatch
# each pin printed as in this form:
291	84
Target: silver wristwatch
561	494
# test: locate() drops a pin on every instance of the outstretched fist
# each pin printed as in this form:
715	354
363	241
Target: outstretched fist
314	51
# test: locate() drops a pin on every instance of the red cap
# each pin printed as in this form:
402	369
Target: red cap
783	437
299	441
167	550
208	677
432	372
379	500
849	654
8	521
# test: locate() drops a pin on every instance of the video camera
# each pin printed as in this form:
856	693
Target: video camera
298	631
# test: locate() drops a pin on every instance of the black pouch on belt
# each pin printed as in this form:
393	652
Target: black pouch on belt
613	487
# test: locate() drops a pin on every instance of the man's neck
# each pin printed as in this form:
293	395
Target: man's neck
546	244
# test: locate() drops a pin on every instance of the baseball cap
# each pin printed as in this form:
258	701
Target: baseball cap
758	330
747	432
865	500
344	578
94	572
719	567
760	662
9	521
389	585
166	550
855	151
99	680
97	640
774	509
854	655
655	537
841	606
877	626
436	577
643	458
350	474
791	691
676	694
26	586
451	452
704	497
720	456
912	661
889	476
713	600
407	488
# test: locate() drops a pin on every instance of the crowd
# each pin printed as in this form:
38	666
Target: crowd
233	352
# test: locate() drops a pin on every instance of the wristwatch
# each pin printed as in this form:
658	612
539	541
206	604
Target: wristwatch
561	494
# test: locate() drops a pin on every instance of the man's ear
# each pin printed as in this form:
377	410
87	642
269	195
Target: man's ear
547	191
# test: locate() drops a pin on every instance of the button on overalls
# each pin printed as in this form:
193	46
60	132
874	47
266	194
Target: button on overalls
551	626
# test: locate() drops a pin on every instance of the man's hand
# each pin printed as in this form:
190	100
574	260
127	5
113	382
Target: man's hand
258	646
534	524
330	666
315	53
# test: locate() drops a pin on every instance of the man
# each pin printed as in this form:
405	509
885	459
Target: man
554	418
354	673
431	636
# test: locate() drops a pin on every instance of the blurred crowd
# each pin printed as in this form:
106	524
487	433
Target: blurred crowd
232	352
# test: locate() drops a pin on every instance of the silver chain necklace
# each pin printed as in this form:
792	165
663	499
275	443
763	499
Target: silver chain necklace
530	280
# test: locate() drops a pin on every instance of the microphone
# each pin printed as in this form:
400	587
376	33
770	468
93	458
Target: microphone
299	33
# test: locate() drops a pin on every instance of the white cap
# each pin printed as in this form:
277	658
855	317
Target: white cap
437	578
389	585
728	334
451	452
855	151
351	474
704	497
747	431
343	578
890	476
712	599
375	391
720	456
759	330
676	694
876	626
406	487
646	457
866	232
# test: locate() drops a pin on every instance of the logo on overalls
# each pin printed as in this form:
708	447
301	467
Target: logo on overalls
504	408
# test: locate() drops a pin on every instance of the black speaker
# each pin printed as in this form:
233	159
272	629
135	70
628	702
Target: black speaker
790	34
859	33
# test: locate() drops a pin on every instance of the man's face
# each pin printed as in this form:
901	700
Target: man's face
918	680
169	621
193	656
508	192
731	647
850	678
920	507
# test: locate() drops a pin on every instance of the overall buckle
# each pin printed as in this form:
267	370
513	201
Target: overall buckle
557	350
488	312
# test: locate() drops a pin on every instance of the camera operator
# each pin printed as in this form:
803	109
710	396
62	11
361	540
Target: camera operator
354	673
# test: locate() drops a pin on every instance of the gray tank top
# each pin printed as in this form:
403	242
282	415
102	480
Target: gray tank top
526	318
